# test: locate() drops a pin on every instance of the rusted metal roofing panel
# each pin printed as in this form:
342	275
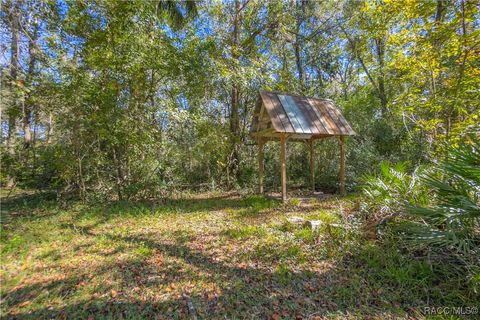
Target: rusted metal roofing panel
340	118
276	112
315	123
299	123
272	112
329	116
325	116
287	123
320	117
304	116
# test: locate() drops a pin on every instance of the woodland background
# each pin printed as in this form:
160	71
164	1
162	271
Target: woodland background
132	99
128	173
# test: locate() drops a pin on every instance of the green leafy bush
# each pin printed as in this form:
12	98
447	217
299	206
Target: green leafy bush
392	189
453	218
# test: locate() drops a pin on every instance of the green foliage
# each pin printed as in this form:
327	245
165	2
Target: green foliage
440	207
131	260
149	102
245	232
176	12
453	218
392	189
130	100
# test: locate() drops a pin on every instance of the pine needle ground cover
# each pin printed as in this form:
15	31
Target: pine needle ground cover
213	256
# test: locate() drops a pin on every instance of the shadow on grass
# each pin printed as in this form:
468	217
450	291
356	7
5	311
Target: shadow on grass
371	282
248	207
31	207
27	205
367	283
35	206
245	292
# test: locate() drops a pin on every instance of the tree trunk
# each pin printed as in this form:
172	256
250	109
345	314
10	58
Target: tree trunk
261	166
380	50
234	113
312	163
378	85
81	180
283	168
235	94
119	177
342	165
27	105
440	10
13	111
49	128
298	43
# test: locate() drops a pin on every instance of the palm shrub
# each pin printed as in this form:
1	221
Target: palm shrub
390	190
453	218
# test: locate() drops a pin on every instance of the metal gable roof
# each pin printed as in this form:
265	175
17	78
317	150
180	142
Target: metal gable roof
300	115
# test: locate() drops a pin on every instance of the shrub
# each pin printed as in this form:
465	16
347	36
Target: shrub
453	218
388	192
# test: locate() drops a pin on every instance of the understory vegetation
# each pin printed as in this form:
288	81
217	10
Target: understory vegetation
228	255
128	170
435	210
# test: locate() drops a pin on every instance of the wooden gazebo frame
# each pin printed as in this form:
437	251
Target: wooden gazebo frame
281	116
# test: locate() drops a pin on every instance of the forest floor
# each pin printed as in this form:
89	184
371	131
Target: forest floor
213	256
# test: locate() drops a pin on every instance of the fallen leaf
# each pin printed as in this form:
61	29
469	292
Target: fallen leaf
25	303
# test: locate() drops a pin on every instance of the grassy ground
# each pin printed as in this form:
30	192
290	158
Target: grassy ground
227	256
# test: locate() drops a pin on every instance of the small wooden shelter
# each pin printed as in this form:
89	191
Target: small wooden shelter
282	116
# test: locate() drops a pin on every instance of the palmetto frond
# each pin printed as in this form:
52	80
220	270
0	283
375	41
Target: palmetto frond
454	219
393	188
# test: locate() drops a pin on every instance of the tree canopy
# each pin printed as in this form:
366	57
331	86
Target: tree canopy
132	98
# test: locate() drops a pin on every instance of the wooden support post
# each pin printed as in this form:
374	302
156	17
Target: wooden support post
312	164
283	168
261	166
342	165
